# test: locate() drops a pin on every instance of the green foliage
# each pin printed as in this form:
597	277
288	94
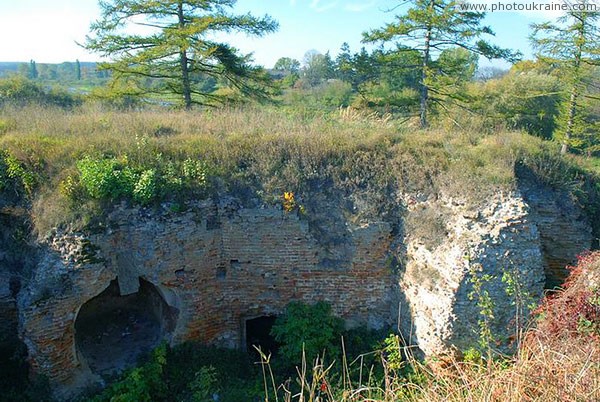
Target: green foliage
194	368
327	96
456	66
571	47
187	372
433	26
106	178
144	383
21	91
114	179
258	154
308	329
481	296
14	175
194	172
522	300
204	384
145	189
392	347
317	68
288	65
520	100
472	355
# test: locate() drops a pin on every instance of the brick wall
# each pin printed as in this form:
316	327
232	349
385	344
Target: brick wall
217	272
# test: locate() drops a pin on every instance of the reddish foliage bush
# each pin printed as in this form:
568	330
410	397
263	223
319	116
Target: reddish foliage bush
576	309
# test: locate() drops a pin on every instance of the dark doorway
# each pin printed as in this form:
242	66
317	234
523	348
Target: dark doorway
258	333
112	331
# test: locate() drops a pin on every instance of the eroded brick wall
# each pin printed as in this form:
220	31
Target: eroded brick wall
218	269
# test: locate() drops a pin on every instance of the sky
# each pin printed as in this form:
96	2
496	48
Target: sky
48	31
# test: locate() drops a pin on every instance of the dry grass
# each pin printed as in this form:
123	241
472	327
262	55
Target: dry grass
557	361
553	363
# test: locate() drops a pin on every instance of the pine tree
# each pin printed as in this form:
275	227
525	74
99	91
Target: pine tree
178	54
78	70
573	46
431	26
33	72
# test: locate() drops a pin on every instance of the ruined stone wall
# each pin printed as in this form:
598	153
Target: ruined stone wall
216	267
8	312
504	241
564	230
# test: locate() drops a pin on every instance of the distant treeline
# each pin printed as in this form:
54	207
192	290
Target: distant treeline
65	72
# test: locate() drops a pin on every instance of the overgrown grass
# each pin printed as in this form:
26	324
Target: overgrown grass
257	154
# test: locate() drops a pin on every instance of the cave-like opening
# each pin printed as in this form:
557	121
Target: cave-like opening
258	333
113	331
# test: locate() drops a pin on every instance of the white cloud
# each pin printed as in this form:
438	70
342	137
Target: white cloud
319	7
359	7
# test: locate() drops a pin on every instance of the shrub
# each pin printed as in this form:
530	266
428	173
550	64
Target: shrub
194	172
311	329
204	384
13	175
145	189
113	179
528	101
21	91
576	310
144	383
106	178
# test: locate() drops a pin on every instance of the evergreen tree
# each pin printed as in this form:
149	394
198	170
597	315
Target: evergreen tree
179	50
344	65
429	27
572	45
78	70
33	72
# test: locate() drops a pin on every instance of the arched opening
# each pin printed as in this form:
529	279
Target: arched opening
258	333
112	331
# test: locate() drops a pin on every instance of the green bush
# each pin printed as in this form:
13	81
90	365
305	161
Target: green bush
311	329
21	91
113	179
145	189
106	178
14	175
527	101
187	372
204	384
142	384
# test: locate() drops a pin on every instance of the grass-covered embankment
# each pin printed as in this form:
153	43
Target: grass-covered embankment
73	164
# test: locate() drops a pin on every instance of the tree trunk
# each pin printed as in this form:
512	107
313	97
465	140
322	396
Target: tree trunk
184	64
424	76
570	120
575	89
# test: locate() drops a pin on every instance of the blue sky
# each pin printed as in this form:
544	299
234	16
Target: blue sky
46	31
